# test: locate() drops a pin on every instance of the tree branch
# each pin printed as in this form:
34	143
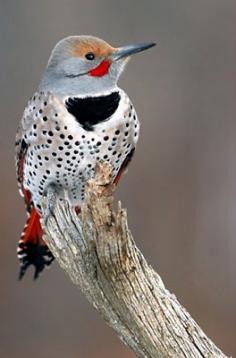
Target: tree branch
97	251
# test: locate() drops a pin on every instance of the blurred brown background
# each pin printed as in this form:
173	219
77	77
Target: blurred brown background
181	187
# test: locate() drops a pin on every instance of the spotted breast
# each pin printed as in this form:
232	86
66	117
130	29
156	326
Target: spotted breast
65	137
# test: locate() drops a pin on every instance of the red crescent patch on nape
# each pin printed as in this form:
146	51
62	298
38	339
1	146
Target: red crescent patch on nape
101	69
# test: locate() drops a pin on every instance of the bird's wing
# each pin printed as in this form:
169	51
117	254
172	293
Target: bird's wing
124	166
44	106
21	147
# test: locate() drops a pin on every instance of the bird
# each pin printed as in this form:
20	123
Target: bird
77	117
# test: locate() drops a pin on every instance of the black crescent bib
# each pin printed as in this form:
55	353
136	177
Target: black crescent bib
90	111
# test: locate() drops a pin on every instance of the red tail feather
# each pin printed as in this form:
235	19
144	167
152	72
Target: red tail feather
33	231
32	249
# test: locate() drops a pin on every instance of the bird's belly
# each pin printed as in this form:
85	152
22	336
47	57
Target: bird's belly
69	158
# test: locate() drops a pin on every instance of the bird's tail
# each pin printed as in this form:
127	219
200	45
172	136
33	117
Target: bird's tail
32	249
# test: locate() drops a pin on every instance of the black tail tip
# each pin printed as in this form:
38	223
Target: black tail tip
33	254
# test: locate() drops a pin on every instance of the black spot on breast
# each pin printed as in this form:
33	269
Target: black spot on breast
90	111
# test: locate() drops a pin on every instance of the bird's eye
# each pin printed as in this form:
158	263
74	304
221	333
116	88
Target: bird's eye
90	56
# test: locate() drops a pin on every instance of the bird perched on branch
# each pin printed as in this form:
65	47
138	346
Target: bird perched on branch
77	117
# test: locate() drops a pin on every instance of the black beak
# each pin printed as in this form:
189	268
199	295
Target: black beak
129	50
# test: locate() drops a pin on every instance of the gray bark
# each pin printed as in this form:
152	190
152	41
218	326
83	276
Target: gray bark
97	251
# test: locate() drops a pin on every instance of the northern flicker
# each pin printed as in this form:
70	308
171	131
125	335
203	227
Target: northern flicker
77	117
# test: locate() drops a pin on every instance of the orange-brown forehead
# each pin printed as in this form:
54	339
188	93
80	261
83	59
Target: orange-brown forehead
100	49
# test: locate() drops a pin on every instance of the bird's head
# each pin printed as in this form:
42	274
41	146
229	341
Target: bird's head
86	65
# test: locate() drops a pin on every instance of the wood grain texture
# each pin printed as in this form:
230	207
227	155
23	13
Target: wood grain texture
97	251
